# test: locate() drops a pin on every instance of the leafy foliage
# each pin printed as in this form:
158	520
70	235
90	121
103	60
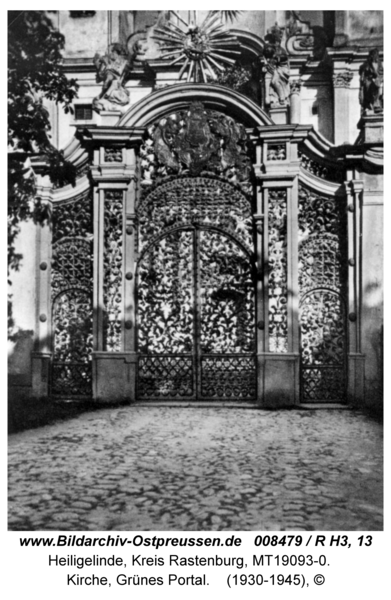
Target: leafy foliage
34	74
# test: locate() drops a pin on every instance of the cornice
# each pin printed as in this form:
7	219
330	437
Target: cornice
98	134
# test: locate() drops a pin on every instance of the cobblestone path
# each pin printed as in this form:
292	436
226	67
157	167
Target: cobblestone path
164	468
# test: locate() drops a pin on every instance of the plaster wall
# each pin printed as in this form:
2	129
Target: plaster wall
317	109
24	305
362	26
372	288
84	36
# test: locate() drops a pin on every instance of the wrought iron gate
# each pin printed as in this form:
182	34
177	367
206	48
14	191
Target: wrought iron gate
196	318
71	287
322	284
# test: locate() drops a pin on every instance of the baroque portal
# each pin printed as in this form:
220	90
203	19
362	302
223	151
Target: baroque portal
211	244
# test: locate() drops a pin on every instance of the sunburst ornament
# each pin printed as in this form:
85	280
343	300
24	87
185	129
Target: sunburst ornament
203	49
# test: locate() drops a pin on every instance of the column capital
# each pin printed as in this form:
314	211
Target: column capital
342	79
295	86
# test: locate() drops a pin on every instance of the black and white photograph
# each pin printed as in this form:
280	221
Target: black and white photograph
195	269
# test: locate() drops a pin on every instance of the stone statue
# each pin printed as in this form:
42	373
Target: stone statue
113	70
371	83
276	65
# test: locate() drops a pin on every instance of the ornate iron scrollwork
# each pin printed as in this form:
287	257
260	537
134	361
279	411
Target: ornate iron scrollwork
113	270
72	317
227	296
278	276
322	283
228	377
197	201
322	171
166	376
196	307
71	283
165	301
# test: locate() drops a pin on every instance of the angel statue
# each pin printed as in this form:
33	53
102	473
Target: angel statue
113	69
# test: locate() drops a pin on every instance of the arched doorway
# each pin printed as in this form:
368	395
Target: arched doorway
195	293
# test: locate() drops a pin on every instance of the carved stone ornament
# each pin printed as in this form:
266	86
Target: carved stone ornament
342	79
295	87
202	49
113	70
371	83
113	155
193	141
303	39
276	152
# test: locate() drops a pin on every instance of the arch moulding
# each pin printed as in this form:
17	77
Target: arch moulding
178	97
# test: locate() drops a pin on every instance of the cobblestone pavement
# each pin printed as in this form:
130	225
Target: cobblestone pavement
173	468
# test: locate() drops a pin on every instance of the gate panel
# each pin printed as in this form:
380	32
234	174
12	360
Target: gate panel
71	291
322	285
196	316
166	289
166	377
323	347
228	377
166	296
227	296
71	369
227	319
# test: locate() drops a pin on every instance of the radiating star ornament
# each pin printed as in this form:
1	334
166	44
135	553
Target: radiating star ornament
203	49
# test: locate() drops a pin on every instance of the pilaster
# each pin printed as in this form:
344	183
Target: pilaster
114	178
277	172
41	357
356	360
295	102
341	83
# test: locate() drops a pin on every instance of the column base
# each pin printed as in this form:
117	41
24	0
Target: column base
372	128
356	373
279	114
114	376
278	380
40	369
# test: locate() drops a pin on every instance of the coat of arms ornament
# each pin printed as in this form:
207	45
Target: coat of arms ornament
193	141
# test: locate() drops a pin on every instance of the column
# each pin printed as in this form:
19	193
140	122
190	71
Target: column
277	286
130	277
341	82
114	357
41	356
356	360
295	104
259	224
